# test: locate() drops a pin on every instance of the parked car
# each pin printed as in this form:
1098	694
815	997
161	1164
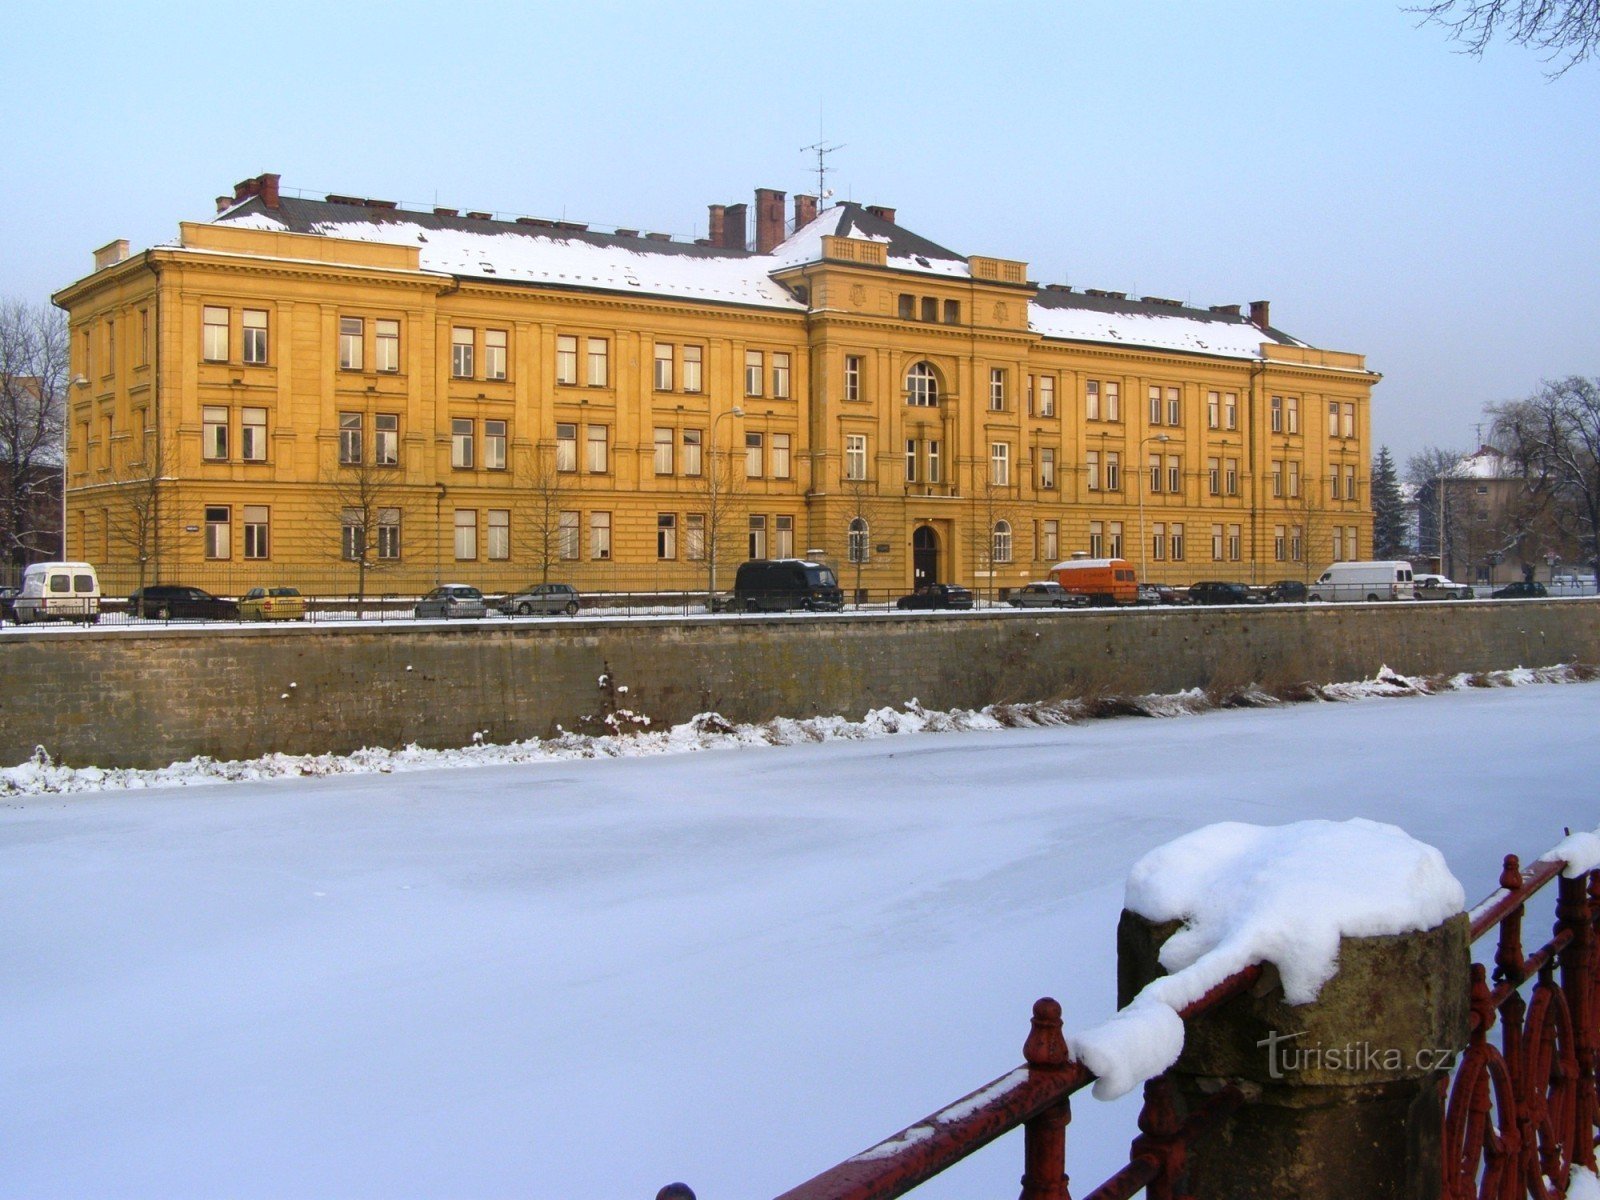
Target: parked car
1521	590
1159	593
1437	587
57	591
452	600
8	611
1104	580
175	602
1213	591
546	599
937	595
1045	595
1368	580
272	604
1284	591
784	584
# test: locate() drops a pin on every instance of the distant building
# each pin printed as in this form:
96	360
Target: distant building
1475	523
303	383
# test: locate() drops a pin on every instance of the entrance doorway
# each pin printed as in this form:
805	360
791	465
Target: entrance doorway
924	556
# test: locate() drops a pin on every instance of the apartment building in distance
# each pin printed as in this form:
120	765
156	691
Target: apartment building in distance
301	386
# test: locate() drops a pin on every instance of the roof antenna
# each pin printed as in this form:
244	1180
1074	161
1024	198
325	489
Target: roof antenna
822	150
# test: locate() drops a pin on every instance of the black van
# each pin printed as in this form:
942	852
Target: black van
782	584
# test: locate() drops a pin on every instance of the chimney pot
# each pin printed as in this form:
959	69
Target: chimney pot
446	212
479	216
628	233
716	226
1261	313
659	237
882	213
224	203
1226	310
269	190
805	210
769	219
734	237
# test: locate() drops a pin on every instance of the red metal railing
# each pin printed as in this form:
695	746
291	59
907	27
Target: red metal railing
1523	1114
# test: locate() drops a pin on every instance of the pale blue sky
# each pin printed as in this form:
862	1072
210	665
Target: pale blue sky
1433	211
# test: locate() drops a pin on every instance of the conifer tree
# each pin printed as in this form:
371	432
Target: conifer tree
1388	509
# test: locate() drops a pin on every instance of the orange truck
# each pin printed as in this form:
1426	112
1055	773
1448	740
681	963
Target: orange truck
1106	581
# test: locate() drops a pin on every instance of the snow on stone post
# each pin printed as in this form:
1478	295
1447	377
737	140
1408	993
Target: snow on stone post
1343	1046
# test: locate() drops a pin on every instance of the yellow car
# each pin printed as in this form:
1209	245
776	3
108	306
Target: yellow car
272	604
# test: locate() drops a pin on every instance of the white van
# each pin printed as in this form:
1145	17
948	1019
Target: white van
58	591
1390	580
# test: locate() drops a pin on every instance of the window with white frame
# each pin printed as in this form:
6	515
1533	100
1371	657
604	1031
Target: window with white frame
1000	546
1280	543
1174	474
256	519
691	451
598	439
663	379
855	456
857	541
599	356
754	443
499	545
352	342
1000	464
1333	429
1235	543
783	537
1338	544
754	365
214	335
1047	395
922	386
1155	473
997	389
386	346
461	348
1218	548
692	361
1174	406
254	323
567	535
350	447
1097	539
852	377
780	455
461	443
758	536
1176	538
1348	421
1333	485
694	536
663	444
1113	400
1296	542
218	532
386	439
1294	479
494	354
466	526
352	535
1214	476
214	434
1277	478
1091	470
934	468
1113	471
599	535
1291	413
1047	468
253	434
1114	539
1158	541
1276	404
911	460
1155	405
566	447
494	445
567	360
1230	477
1050	541
666	535
1213	410
1091	399
780	375
1230	410
1350	482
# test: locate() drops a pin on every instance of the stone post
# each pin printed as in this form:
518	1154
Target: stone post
1345	1095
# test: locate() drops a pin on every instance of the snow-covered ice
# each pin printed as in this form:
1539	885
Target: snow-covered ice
588	975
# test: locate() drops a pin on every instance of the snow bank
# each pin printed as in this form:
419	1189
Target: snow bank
1580	851
1252	893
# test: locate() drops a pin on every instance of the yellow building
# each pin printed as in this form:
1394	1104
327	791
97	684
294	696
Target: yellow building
342	394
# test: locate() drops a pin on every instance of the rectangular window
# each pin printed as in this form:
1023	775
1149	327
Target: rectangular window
1000	464
144	337
1091	400
599	438
930	308
349	439
1177	541
1113	401
253	435
466	534
461	346
567	535
663	366
1050	542
1333	430
855	456
214	343
1091	470
1234	543
1333	485
566	447
666	535
758	536
691	451
1350	483
254	321
1158	541
1114	539
1214	476
1230	410
1217	548
753	366
1047	395
1277	416
780	375
952	312
780	456
1280	543
386	349
1097	539
494	355
1047	468
566	360
218	533
933	461
783	537
1338	544
1277	479
852	377
907	307
461	443
1174	407
1296	542
753	444
351	343
1155	406
694	536
1113	471
1292	413
1174	474
214	434
256	544
352	537
911	460
1213	410
1155	473
494	445
1294	480
499	533
691	368
663	444
1230	476
997	389
1348	428
386	440
389	533
599	362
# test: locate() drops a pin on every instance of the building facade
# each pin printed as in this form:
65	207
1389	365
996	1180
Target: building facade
340	393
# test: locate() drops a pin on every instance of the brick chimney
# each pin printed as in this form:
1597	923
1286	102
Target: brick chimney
805	210
769	219
734	236
716	226
1260	313
882	213
265	186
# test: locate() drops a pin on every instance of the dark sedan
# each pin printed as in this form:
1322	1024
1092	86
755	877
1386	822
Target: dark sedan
1219	592
173	602
937	595
1521	590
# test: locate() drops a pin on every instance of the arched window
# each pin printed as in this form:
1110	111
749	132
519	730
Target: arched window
922	386
858	540
1002	541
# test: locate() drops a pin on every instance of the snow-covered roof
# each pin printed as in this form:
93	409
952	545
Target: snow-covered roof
1484	463
1087	317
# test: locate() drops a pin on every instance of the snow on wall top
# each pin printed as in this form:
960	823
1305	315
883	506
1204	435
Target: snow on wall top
1183	330
1252	893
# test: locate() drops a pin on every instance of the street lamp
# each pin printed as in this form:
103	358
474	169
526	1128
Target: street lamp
712	517
1144	547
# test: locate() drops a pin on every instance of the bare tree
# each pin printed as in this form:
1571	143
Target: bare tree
1563	29
140	510
991	504
1552	440
541	492
865	512
722	486
33	386
366	503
